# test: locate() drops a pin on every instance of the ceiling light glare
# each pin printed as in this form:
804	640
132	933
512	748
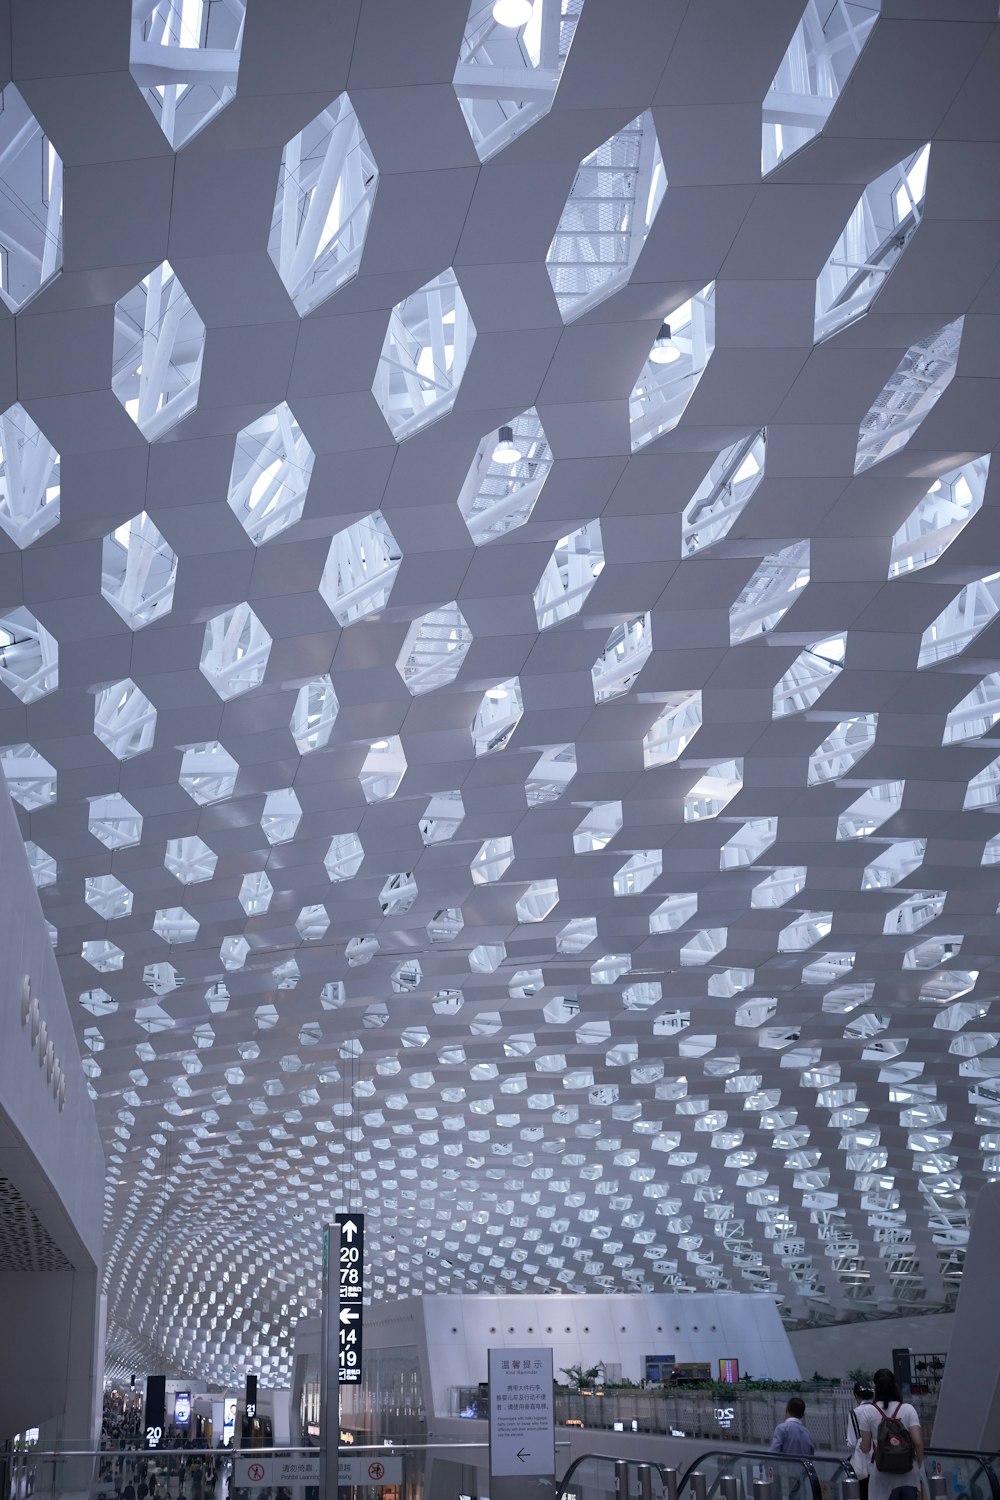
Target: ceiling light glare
512	13
664	350
506	450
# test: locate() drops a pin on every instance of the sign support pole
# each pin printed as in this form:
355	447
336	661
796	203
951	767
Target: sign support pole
329	1383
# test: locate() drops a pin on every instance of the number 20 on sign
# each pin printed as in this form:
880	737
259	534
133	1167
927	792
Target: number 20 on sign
350	1278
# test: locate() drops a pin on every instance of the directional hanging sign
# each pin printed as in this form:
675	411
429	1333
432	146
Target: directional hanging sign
350	1292
522	1436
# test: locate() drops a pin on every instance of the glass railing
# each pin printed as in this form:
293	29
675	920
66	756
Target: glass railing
967	1476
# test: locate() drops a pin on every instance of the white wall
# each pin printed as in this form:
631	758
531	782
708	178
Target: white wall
849	1346
456	1332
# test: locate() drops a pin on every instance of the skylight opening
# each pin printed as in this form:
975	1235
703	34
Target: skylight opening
919	381
272	466
664	389
435	647
497	717
499	494
673	729
492	860
383	770
704	946
107	897
673	911
824	48
713	791
915	912
628	648
880	228
344	857
607	216
538	901
256	893
984	788
174	925
281	816
114	821
598	828
551	774
124	719
976	713
29	656
638	873
138	572
190	860
235	652
442	818
314	715
360	570
426	349
868	812
961	621
748	843
31	203
809	676
894	864
770	593
724	493
778	888
507	75
941	516
29	478
843	747
570	574
185	57
326	190
208	772
159	341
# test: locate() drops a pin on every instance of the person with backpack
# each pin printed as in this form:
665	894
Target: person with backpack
892	1438
860	1462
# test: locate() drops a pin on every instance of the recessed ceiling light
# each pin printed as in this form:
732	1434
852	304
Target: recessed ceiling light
506	450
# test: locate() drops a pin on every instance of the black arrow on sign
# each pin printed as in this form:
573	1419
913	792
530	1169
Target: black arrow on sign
523	1453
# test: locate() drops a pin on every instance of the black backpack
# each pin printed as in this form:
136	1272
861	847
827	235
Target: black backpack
893	1450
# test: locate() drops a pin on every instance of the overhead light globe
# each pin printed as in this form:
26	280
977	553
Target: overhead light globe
506	450
512	13
664	350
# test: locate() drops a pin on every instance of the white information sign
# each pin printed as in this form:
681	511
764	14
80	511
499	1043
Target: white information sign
522	1437
266	1473
366	1469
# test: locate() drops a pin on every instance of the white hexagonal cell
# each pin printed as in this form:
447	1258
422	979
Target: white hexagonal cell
598	828
344	856
724	493
175	925
842	748
435	647
675	364
398	894
115	821
880	228
673	911
42	865
235	652
312	923
138	571
29	656
29	478
550	775
505	478
361	569
809	676
497	717
442	818
628	649
673	729
233	952
638	873
961	621
944	512
426	349
108	897
974	714
208	772
323	204
538	901
159	340
713	791
185	57
768	596
281	816
272	467
875	806
314	715
102	955
509	65
256	891
31	203
383	769
608	214
915	386
124	719
190	860
824	48
31	781
570	573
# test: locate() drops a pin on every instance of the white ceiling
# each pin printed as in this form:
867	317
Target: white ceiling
775	1094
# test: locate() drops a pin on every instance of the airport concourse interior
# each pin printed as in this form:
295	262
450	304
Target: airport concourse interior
500	748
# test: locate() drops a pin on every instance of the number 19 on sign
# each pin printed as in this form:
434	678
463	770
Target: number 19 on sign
350	1282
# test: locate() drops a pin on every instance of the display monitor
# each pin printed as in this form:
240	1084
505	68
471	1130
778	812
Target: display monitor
182	1408
729	1371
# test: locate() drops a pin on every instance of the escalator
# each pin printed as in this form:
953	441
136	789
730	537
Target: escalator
756	1474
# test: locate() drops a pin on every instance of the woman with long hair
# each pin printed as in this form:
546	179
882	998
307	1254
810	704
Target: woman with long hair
860	1462
890	1435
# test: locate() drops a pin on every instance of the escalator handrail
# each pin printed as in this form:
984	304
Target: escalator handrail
762	1455
985	1460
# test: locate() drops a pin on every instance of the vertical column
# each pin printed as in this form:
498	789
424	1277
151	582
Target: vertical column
968	1414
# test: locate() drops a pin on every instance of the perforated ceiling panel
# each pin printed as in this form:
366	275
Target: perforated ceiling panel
25	1243
502	664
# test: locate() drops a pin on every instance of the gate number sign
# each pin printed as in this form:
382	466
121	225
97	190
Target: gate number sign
350	1291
